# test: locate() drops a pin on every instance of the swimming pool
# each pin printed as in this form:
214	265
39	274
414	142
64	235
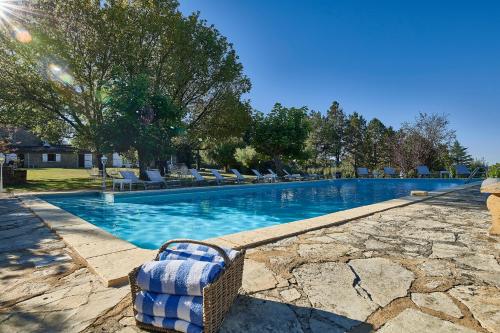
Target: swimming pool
148	219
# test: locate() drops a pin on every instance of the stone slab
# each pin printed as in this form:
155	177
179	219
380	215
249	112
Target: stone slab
414	321
438	302
113	268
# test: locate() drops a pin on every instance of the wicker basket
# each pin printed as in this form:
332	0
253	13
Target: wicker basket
217	296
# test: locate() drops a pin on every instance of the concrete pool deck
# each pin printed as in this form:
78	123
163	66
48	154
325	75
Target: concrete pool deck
426	267
112	258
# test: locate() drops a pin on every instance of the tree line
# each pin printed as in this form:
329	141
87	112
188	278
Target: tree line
139	78
343	142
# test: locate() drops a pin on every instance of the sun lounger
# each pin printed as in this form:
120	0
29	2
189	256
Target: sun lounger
239	176
290	176
219	179
462	170
273	174
134	180
261	177
197	177
390	172
155	176
423	171
311	176
363	172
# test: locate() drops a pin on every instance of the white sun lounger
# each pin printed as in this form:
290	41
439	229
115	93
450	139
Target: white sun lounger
155	176
261	177
219	179
462	170
273	174
290	176
197	177
423	171
239	176
388	171
363	172
134	180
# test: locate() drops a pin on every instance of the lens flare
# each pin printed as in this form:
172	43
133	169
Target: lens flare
22	35
59	74
12	15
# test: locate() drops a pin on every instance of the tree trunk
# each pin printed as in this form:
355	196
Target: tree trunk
143	164
278	164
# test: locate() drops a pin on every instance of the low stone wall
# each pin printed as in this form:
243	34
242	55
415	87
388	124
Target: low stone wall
13	176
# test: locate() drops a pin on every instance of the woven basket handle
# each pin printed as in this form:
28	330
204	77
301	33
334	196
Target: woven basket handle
219	250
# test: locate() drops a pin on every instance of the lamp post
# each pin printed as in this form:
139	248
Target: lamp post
104	159
2	160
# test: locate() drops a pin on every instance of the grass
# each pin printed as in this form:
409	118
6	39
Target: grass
58	179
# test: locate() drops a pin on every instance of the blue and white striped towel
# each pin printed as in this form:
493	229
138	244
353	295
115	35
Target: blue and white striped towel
173	254
190	247
169	323
177	277
188	308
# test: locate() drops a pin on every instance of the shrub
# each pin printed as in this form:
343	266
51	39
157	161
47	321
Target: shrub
494	171
247	156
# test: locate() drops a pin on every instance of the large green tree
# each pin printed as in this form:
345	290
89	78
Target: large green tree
281	134
328	133
135	117
356	139
76	50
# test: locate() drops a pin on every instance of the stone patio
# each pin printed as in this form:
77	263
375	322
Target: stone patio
426	267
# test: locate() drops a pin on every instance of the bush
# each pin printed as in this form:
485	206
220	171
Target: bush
494	171
247	156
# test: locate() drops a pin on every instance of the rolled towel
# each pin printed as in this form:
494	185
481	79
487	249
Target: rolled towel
177	277
188	308
169	323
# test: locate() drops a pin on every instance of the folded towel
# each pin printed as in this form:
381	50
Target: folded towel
173	254
188	308
196	252
177	277
168	323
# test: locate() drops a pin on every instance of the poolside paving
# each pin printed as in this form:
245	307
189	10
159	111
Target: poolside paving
427	267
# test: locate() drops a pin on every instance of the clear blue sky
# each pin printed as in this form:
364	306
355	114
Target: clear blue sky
384	59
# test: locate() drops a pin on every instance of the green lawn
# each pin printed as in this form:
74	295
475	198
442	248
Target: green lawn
58	179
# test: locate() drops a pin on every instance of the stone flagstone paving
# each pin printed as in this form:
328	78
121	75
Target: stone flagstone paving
426	267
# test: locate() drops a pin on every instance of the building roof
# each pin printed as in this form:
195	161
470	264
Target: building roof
20	140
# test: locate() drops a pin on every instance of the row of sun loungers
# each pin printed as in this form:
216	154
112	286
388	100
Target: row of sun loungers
157	180
422	171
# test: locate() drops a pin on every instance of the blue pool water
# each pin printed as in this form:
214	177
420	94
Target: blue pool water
149	219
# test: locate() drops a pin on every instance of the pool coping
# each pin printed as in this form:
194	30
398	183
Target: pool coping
112	258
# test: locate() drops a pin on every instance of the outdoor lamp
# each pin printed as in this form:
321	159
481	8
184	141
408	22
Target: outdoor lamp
2	160
104	159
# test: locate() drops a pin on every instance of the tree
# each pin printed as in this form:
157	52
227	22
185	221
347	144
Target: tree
378	141
223	153
425	141
248	156
281	135
135	117
459	155
355	139
78	49
327	134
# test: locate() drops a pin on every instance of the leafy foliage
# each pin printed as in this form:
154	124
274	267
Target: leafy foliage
281	135
80	50
494	171
248	156
458	154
